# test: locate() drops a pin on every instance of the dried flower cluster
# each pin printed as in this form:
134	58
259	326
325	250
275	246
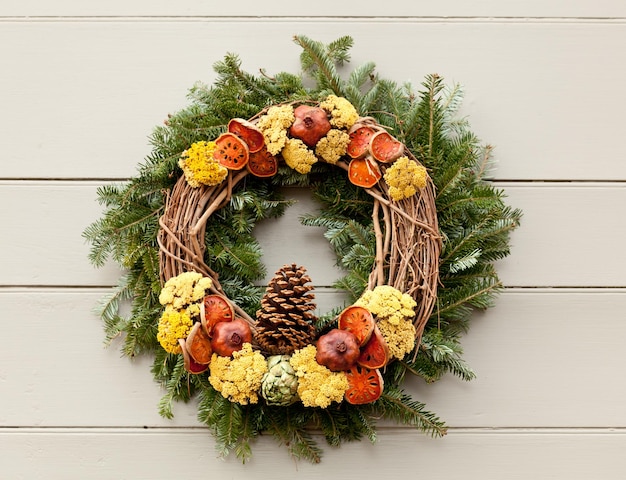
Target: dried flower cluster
185	291
342	112
274	125
404	178
199	166
394	312
317	385
172	326
238	378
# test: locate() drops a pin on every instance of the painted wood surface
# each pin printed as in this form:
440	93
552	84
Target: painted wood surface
84	83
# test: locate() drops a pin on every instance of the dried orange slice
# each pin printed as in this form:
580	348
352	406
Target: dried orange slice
262	163
358	321
375	353
365	385
359	141
216	308
248	132
385	148
231	151
363	172
190	364
198	345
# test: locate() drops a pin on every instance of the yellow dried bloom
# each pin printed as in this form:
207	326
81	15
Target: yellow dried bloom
238	379
274	125
185	291
388	303
333	145
298	156
172	326
400	337
199	166
342	112
317	385
404	178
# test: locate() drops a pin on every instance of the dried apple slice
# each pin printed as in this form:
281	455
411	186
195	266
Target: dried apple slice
248	132
198	345
385	148
358	321
360	138
231	151
214	309
262	163
190	364
365	385
363	172
375	353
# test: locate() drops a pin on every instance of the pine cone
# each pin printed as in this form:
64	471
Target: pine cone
284	322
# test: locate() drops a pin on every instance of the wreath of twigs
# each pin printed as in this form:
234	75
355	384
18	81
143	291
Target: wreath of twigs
436	247
408	243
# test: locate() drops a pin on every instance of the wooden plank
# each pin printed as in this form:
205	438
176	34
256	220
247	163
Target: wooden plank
571	235
323	8
108	83
543	358
105	454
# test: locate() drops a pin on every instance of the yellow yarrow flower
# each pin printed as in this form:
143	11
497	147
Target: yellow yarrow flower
238	379
318	386
185	291
342	112
400	337
199	166
388	303
394	312
404	178
172	326
298	156
274	125
333	146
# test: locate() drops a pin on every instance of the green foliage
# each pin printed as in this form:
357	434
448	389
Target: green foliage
474	221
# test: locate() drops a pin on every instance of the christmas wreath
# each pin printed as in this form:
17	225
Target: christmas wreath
415	226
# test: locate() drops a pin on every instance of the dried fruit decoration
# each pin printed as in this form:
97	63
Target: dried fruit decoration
229	337
365	385
262	163
385	148
248	132
357	320
360	137
231	151
337	350
363	172
215	309
311	124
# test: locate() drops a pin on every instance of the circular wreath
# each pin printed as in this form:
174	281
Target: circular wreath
416	228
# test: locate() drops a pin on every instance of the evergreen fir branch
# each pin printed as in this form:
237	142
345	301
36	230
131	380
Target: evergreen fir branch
288	427
175	388
396	405
316	59
465	262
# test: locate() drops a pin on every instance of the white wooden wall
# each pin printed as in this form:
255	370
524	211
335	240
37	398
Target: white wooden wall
83	83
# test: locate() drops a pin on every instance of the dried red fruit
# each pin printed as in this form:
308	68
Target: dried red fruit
337	350
385	148
216	309
262	163
248	132
358	321
360	138
231	151
363	172
198	345
375	353
365	385
229	337
311	124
